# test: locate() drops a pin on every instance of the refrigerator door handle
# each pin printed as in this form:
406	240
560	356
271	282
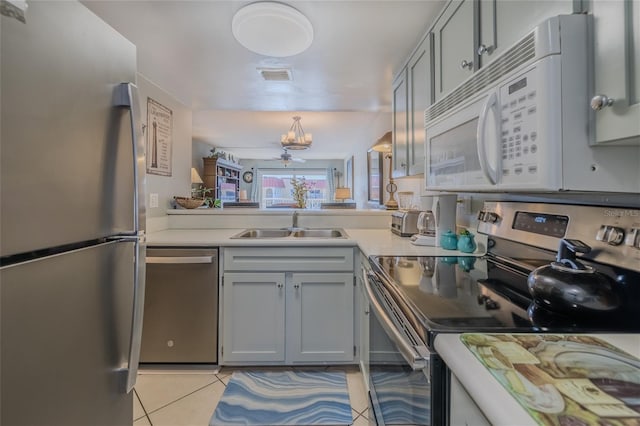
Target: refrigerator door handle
138	310
126	96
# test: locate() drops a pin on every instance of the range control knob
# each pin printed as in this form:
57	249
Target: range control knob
633	238
491	217
610	234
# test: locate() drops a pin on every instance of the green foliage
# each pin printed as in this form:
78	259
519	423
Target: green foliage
299	191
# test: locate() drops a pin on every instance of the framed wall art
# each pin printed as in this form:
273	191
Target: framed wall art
159	138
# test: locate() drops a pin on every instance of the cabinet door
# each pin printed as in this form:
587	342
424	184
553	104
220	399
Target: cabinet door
253	317
400	125
617	70
502	23
454	46
420	96
320	317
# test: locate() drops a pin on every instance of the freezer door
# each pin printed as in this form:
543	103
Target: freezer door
67	159
66	324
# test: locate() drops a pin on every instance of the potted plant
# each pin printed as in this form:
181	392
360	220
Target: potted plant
299	191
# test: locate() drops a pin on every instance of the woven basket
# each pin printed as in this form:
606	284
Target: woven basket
189	203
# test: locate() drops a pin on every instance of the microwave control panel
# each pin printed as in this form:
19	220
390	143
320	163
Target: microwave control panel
519	132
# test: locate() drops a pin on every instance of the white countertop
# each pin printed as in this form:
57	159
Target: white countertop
497	404
370	241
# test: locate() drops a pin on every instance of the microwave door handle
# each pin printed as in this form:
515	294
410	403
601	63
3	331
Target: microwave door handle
416	360
490	104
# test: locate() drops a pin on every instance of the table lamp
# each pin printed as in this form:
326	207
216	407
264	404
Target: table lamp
342	194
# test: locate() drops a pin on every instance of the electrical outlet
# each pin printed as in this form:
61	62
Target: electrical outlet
153	200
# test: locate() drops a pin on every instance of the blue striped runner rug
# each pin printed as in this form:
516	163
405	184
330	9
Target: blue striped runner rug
284	398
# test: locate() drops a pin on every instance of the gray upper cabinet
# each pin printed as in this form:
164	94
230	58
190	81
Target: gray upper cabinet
616	71
420	73
454	51
412	94
502	23
400	125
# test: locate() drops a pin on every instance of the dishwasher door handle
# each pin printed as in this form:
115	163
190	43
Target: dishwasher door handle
180	260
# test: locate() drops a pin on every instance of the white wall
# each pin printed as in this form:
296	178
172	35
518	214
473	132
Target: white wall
179	183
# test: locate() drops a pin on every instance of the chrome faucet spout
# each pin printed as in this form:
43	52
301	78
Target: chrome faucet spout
294	220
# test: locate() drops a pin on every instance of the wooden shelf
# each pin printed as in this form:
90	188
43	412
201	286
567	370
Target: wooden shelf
223	177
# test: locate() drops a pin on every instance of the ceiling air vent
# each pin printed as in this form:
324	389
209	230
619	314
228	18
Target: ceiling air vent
275	74
519	54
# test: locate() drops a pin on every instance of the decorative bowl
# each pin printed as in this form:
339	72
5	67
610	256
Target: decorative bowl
189	203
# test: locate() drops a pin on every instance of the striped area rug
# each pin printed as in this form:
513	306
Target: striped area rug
284	398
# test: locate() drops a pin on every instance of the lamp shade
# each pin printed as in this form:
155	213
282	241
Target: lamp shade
342	194
384	143
195	176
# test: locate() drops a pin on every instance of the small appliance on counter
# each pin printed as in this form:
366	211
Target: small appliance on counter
405	222
444	214
426	235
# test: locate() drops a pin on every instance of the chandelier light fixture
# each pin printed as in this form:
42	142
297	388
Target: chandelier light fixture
296	138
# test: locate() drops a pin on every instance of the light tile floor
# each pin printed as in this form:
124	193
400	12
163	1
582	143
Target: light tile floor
188	397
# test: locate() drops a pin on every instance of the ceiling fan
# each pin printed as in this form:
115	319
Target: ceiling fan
286	158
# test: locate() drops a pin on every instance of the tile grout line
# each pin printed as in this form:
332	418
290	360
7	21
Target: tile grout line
135	393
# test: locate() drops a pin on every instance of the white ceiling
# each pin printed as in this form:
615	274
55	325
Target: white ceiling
339	84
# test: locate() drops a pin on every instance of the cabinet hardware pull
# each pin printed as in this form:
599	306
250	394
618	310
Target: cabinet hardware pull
601	101
482	49
466	64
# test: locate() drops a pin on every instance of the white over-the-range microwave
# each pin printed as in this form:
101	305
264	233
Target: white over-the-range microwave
524	123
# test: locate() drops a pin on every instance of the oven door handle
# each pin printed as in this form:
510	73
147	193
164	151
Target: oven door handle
417	357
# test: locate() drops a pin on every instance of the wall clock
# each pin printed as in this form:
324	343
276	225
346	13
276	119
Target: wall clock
247	177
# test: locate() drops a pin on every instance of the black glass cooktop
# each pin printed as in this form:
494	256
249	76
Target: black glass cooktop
461	293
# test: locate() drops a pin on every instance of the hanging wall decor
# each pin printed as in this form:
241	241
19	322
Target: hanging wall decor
159	138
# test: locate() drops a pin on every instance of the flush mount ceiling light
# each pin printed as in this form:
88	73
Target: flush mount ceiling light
272	29
295	138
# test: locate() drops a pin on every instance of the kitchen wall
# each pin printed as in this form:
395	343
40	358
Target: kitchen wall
380	125
179	183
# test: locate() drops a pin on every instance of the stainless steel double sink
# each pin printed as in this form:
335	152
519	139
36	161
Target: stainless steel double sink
257	233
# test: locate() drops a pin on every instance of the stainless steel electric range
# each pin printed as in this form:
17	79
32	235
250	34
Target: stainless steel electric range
549	268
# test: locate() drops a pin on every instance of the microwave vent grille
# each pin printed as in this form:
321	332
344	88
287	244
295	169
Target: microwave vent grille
519	54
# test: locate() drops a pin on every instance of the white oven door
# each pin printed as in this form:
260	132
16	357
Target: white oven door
463	147
399	383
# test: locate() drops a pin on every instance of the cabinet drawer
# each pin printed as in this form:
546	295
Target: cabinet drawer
288	259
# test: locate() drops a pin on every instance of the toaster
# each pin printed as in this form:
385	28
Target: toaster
405	222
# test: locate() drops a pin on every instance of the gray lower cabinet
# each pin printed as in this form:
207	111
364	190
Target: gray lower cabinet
253	323
320	317
302	314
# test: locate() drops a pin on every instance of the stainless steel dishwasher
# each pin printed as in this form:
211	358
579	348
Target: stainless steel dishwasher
181	306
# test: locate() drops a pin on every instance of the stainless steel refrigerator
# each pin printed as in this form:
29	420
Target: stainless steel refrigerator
71	218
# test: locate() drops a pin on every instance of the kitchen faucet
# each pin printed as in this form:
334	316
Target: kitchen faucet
294	219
